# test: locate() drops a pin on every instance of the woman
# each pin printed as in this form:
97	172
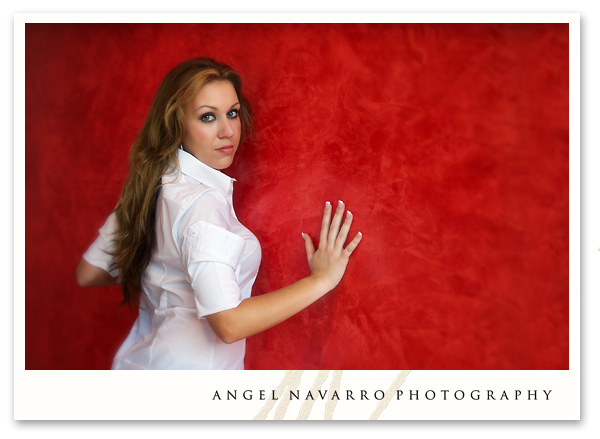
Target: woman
174	242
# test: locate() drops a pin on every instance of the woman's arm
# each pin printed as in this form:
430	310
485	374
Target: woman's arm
327	265
89	275
96	273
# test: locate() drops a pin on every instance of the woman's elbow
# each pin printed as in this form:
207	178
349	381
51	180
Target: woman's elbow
223	327
91	276
227	335
229	339
82	275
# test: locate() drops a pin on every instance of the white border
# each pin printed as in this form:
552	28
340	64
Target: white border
300	17
123	395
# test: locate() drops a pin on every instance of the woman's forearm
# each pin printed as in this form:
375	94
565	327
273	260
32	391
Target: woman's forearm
256	314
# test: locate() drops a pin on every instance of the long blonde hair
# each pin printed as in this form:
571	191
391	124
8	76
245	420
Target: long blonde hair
153	152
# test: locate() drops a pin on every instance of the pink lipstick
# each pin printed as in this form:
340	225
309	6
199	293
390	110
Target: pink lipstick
226	149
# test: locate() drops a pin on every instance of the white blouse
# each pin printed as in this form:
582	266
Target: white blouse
204	262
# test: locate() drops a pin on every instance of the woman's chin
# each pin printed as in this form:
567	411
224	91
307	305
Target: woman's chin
223	162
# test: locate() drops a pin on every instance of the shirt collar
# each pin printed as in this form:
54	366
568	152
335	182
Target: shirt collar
214	178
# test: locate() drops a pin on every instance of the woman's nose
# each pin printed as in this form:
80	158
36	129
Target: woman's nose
226	129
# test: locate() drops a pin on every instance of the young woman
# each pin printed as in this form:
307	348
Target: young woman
174	242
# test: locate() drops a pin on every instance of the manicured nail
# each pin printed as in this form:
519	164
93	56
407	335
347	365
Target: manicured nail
302	235
348	213
327	204
340	204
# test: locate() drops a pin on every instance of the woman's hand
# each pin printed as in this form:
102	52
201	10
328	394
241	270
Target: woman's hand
328	263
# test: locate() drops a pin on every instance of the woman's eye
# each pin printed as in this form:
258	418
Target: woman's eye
233	114
208	117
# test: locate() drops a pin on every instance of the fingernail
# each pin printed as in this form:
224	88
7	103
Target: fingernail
302	235
360	234
340	204
327	204
348	213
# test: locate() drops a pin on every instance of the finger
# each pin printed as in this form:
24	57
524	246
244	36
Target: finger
334	229
325	225
341	238
310	248
350	248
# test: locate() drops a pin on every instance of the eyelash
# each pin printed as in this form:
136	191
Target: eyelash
204	117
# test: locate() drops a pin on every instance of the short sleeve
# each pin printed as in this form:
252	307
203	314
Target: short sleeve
211	255
98	253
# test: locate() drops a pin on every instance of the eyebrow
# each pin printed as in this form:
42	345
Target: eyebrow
214	108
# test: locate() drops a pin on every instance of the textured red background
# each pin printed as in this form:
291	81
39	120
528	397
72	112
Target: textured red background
449	143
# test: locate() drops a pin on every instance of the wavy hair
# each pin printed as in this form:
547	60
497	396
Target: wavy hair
152	154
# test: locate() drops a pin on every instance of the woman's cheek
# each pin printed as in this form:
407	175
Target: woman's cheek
205	133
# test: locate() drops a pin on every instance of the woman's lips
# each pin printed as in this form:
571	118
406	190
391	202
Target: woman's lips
226	149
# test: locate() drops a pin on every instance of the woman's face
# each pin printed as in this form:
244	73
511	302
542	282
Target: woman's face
212	125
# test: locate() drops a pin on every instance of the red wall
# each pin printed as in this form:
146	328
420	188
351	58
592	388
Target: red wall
449	143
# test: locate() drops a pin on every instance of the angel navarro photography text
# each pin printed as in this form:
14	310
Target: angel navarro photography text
401	395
